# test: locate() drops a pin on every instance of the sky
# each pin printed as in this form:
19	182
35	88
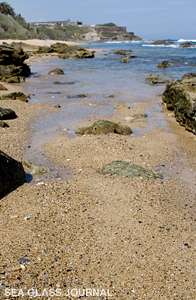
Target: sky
148	19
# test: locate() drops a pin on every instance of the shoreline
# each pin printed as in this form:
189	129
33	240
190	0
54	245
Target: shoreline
131	236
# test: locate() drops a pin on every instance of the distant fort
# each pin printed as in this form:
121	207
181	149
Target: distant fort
96	32
56	23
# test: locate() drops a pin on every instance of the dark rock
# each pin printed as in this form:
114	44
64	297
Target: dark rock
153	79
13	96
3	124
180	96
123	168
11	172
81	96
104	127
7	113
2	88
57	106
56	71
187	45
165	64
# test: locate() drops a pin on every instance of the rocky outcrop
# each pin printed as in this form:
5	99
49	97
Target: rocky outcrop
66	51
12	66
154	79
165	64
162	43
12	173
123	168
104	127
7	114
187	45
180	96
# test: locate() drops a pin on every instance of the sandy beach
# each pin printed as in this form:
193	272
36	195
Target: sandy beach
127	237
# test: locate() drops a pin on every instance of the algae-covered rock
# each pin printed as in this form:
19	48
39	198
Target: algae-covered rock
36	170
56	71
15	96
104	127
11	172
188	75
66	51
123	168
180	96
165	64
7	113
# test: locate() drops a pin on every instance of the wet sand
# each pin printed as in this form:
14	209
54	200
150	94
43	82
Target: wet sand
131	237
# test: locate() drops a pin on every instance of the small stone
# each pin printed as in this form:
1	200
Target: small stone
27	218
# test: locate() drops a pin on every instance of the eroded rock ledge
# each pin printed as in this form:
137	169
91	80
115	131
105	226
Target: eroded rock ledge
180	96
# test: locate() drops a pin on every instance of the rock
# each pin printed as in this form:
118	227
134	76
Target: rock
188	75
11	173
125	59
36	170
121	106
122	52
57	106
81	96
12	63
180	96
123	168
187	45
104	127
153	79
162	43
66	51
2	88
139	116
14	96
56	71
7	113
3	124
129	119
165	64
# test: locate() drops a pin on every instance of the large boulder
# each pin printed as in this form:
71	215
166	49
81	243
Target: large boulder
104	127
180	96
12	173
123	168
12	66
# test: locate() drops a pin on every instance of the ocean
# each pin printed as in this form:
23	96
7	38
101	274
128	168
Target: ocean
99	78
